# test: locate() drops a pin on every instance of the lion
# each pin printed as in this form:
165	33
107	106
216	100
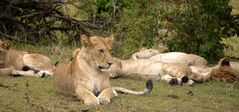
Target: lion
148	69
86	76
15	62
225	70
74	53
144	54
180	57
172	73
171	57
235	66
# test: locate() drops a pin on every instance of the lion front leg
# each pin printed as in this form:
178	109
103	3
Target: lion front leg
6	71
105	96
87	96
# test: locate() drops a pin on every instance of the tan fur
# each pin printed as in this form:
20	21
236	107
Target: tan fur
179	57
149	69
171	57
224	71
235	66
144	54
75	52
85	76
155	70
12	61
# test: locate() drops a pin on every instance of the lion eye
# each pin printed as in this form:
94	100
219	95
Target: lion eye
101	51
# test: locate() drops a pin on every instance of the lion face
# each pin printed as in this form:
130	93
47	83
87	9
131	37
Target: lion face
4	47
98	51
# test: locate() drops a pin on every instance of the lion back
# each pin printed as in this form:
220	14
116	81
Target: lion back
62	80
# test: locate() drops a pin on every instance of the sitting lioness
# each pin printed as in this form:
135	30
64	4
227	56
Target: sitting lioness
86	75
15	63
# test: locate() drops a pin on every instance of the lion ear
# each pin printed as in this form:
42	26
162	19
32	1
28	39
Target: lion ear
109	40
6	44
85	41
224	62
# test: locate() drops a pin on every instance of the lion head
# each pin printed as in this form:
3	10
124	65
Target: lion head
144	53
4	47
224	71
98	50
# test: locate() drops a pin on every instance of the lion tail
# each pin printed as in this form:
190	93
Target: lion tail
148	89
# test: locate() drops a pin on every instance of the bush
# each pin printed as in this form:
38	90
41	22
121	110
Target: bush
137	27
231	48
200	26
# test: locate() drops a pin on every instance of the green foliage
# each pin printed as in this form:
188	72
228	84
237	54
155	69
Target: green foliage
200	26
232	47
196	27
136	28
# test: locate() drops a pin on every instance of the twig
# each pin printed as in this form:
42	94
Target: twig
15	38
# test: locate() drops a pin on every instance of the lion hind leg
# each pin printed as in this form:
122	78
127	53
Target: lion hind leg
39	72
6	71
30	73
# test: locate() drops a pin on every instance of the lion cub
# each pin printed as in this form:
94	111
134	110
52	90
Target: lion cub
86	75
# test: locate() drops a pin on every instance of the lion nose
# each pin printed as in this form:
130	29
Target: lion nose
109	62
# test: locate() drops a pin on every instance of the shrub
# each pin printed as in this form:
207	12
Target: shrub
231	48
200	26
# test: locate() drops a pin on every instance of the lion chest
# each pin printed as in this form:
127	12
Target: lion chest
97	83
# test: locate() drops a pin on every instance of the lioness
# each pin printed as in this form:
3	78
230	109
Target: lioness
148	69
171	57
144	54
14	62
225	70
172	73
86	75
235	66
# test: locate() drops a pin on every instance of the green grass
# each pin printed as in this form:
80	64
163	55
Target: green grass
22	94
235	4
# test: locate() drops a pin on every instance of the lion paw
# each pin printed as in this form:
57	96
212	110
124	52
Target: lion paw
92	101
104	100
14	72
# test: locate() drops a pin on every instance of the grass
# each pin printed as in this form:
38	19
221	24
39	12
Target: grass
33	94
29	94
235	4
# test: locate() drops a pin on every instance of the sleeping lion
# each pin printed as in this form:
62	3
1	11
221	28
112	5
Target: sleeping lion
172	73
171	57
15	62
